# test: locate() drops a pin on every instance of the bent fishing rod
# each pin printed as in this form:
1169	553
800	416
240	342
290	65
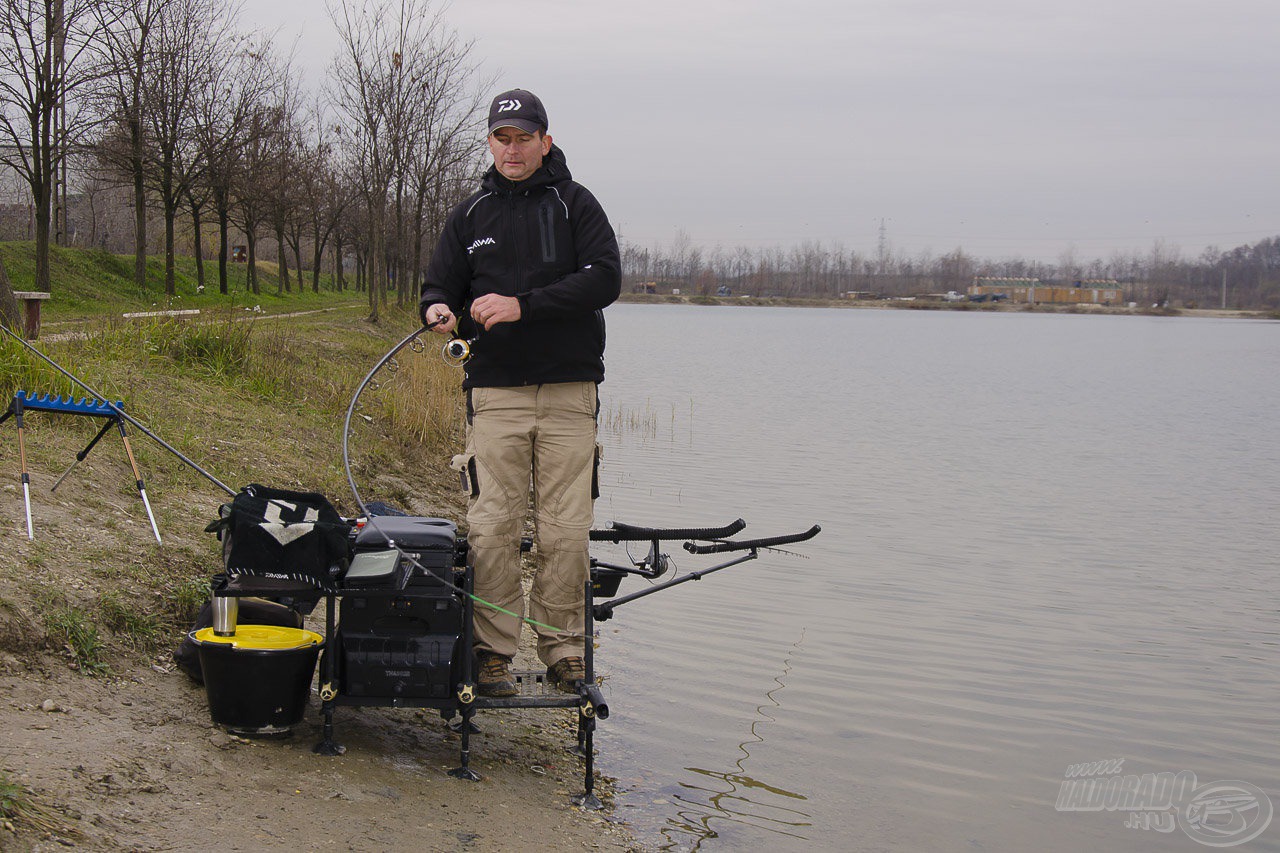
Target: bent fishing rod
119	412
455	352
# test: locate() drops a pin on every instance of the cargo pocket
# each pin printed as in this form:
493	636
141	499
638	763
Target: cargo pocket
465	465
595	471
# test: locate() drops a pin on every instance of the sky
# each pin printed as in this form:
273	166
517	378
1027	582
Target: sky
1009	128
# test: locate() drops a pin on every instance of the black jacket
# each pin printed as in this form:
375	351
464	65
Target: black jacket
546	241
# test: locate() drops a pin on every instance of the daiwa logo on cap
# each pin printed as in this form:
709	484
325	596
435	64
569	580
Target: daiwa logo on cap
506	106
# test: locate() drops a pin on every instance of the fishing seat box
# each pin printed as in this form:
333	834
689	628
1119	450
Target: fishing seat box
399	625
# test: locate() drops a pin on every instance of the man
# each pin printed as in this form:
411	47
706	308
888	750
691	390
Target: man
525	266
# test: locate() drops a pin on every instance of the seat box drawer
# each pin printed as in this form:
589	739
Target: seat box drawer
400	615
398	667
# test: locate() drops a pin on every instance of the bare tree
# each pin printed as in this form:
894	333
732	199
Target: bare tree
252	188
47	60
395	55
177	76
323	191
227	110
446	159
128	39
251	204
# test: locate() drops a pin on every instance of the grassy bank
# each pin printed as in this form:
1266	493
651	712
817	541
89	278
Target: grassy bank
248	398
88	283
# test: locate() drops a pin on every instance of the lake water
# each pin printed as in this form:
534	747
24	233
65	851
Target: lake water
1047	540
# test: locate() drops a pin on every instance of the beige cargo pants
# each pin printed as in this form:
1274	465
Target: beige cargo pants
546	433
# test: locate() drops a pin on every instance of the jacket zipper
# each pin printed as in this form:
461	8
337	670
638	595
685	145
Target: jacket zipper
514	235
546	230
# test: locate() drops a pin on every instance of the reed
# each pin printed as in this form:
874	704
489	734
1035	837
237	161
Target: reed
627	420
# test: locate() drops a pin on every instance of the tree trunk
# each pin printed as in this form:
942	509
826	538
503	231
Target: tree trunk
296	245
170	218
197	245
44	204
224	227
317	258
339	274
139	209
417	244
251	238
282	285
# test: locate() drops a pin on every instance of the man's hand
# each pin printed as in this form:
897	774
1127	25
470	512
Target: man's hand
439	318
492	309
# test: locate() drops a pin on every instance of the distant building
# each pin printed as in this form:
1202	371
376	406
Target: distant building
1092	291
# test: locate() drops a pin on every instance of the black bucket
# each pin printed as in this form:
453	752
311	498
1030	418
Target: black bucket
259	679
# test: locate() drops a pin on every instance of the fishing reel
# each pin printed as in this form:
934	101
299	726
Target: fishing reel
457	351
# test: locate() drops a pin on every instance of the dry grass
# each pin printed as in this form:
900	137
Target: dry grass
21	810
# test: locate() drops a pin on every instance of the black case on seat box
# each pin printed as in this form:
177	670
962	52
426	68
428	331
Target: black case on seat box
432	542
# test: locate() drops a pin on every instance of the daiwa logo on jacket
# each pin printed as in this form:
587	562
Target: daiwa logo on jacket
483	241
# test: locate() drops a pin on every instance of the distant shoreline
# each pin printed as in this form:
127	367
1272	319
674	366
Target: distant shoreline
909	304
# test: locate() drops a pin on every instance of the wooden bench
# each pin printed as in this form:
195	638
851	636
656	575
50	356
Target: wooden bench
31	299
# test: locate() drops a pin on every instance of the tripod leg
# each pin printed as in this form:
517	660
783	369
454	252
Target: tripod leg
26	478
142	489
81	455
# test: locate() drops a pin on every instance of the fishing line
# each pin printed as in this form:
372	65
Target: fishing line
371	520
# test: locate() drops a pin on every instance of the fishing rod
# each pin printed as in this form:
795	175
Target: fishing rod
120	413
455	353
355	398
454	356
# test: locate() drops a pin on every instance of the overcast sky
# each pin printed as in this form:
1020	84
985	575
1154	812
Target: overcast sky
1011	128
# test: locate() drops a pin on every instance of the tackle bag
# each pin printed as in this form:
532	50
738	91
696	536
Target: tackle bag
283	535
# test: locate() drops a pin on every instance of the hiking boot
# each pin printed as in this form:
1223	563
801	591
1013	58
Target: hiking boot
494	678
567	674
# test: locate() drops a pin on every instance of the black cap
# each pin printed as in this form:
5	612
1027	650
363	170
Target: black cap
518	108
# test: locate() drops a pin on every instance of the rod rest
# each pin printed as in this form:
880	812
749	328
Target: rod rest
619	532
55	403
750	544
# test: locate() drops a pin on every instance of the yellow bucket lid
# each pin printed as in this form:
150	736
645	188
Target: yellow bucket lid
263	637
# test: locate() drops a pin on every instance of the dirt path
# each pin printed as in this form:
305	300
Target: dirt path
134	762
